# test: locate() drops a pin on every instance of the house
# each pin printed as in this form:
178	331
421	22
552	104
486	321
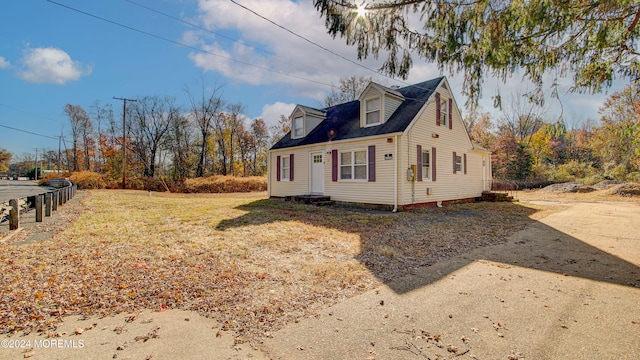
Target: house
397	148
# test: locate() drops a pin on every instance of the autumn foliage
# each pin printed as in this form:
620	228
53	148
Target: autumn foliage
225	184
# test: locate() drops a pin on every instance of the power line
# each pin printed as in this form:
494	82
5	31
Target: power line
27	112
185	45
315	43
29	132
251	45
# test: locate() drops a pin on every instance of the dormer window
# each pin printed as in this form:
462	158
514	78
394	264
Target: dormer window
444	113
298	127
373	111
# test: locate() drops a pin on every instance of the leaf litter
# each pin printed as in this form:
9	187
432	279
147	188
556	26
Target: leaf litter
253	264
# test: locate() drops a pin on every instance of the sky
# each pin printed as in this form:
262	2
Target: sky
79	52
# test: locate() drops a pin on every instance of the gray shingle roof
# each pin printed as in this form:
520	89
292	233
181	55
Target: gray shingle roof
343	120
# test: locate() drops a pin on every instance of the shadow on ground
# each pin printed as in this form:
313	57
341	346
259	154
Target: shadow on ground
396	245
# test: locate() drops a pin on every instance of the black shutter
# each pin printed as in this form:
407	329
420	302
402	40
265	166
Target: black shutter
334	165
438	109
433	164
464	159
450	113
291	167
419	162
372	163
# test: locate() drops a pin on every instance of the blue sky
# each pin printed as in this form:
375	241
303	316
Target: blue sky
51	56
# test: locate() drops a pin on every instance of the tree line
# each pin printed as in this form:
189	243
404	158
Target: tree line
213	137
209	136
528	146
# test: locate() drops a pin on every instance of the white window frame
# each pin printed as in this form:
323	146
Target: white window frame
285	168
352	165
367	111
426	170
459	168
301	128
444	114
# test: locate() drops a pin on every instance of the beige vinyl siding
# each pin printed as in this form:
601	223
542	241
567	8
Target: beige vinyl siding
300	184
310	123
448	186
390	106
380	191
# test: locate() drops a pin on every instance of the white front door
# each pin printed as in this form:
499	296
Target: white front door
317	173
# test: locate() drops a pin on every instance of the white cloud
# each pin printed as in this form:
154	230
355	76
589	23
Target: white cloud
271	113
276	56
51	65
4	63
310	68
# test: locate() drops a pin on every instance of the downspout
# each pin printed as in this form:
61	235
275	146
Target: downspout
395	204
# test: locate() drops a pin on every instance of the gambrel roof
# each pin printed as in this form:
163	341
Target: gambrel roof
343	120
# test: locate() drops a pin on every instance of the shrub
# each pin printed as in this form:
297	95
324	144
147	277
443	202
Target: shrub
225	184
634	176
572	170
619	172
88	180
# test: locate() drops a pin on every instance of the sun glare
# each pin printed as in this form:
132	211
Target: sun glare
361	10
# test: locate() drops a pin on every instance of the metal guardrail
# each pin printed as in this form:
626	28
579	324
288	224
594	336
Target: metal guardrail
43	204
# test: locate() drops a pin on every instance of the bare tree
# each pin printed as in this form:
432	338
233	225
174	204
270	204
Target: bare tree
205	108
150	121
180	141
80	131
522	118
260	136
349	89
234	122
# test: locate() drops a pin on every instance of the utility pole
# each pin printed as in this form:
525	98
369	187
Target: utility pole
59	152
124	138
36	165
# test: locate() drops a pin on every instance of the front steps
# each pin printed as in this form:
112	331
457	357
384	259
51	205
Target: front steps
496	197
311	199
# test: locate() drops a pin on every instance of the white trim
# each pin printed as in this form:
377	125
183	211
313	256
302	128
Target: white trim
311	162
325	143
293	127
282	167
380	111
353	165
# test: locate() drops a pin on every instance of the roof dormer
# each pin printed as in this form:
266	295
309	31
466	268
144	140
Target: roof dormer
377	103
304	119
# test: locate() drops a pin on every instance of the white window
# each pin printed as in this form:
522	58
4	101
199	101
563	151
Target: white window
298	127
284	169
458	163
353	165
444	115
426	170
372	109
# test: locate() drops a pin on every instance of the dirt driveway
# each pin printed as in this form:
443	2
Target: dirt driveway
567	287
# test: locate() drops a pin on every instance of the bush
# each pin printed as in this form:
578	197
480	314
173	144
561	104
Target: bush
88	180
572	171
225	184
634	176
592	180
149	184
619	172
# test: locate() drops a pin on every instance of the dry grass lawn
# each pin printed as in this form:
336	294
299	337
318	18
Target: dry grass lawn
252	263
